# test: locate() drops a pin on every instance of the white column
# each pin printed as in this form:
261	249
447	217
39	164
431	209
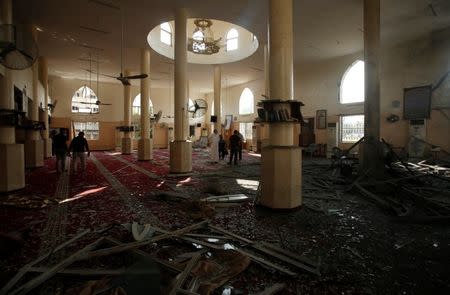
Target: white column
34	146
281	63
217	97
43	75
266	71
145	143
180	148
181	99
127	145
372	159
12	172
281	160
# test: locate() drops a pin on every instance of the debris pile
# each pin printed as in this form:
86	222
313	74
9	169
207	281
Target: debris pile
196	259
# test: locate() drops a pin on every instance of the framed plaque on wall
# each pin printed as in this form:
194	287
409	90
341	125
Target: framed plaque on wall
321	119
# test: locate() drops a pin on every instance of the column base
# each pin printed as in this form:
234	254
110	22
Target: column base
281	177
127	145
47	148
34	153
12	174
145	149
180	156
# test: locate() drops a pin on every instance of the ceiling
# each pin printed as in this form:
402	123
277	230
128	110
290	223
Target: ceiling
323	29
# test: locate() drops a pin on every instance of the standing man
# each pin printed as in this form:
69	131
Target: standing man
60	150
235	142
214	139
79	146
241	144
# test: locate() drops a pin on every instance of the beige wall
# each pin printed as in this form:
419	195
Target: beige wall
24	79
111	116
417	63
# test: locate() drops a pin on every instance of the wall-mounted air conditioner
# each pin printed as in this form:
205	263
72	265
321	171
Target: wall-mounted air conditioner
417	137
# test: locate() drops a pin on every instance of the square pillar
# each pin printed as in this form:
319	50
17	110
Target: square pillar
181	156
127	145
34	153
47	148
12	174
145	149
281	177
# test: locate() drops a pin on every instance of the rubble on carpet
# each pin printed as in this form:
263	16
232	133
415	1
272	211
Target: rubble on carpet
27	201
213	264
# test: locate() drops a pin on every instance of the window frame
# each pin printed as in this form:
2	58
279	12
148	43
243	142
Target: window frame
241	102
341	128
234	39
136	115
87	103
165	31
244	128
89	134
344	76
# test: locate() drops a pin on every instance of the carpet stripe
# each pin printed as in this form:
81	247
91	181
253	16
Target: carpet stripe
137	167
133	204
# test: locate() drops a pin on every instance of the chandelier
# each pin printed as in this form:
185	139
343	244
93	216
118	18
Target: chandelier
202	41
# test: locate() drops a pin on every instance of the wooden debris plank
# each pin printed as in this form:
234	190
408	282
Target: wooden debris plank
179	281
134	245
166	264
191	240
373	197
228	233
286	259
24	269
54	269
206	236
266	262
81	271
273	289
182	291
291	254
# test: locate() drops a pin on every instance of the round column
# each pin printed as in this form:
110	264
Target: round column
217	97
181	148
181	101
372	158
281	160
34	146
43	77
126	139
281	61
144	145
12	176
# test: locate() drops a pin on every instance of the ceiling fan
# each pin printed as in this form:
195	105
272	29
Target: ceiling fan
198	109
124	79
18	49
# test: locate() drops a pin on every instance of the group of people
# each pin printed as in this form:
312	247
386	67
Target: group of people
77	150
219	147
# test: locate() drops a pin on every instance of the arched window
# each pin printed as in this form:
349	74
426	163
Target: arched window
232	40
352	84
136	111
246	102
84	101
136	115
166	34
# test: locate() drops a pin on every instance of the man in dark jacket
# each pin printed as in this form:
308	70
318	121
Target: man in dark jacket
60	150
235	142
79	146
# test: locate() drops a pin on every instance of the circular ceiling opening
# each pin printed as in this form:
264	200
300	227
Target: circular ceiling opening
210	41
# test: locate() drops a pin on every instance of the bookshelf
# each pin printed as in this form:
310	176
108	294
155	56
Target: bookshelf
281	158
277	110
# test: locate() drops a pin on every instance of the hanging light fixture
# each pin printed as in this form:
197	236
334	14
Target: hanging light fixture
202	41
